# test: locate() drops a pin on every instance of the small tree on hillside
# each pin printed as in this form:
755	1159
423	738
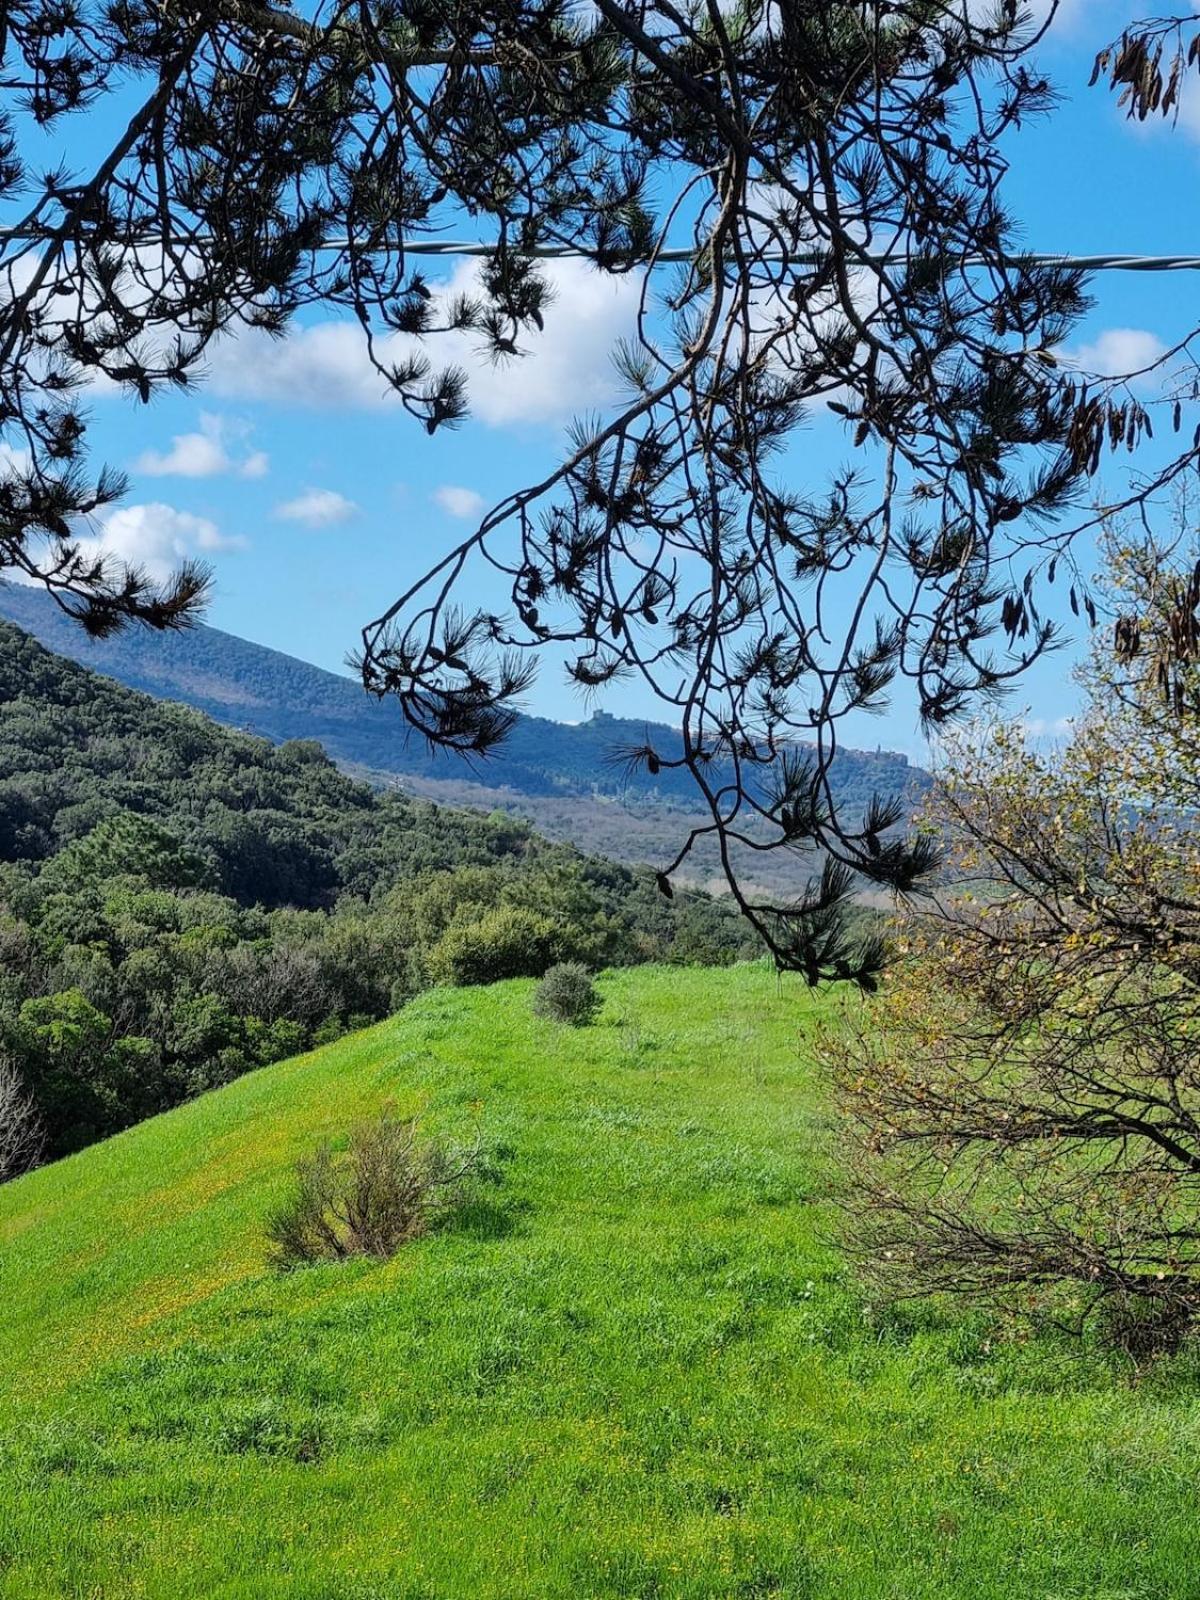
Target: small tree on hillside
1025	1107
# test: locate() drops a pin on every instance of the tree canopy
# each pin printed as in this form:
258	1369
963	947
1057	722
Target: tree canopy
1024	1111
831	177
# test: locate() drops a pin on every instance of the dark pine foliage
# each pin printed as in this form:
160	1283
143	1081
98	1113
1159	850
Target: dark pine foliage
834	173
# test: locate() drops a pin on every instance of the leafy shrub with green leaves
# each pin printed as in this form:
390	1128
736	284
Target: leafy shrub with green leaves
386	1189
508	942
567	994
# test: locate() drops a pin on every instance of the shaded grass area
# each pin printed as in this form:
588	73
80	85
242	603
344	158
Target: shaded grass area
635	1367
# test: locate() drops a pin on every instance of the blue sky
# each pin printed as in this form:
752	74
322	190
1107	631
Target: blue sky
317	502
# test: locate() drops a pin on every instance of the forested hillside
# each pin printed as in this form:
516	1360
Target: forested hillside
179	902
266	692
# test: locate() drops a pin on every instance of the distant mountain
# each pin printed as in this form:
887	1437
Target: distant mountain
265	692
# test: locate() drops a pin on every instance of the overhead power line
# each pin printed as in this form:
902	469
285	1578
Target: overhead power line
1104	263
681	253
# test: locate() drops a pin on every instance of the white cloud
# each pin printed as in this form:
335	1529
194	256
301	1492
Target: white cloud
192	455
317	508
569	368
566	370
13	461
1046	727
323	367
156	537
1073	16
458	502
203	454
1116	352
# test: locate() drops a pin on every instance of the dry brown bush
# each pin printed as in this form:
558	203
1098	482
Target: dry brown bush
1023	1106
385	1190
20	1127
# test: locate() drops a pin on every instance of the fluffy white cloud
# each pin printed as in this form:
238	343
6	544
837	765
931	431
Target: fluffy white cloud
204	454
1117	351
569	368
323	367
565	370
458	502
1072	16
317	508
192	455
156	537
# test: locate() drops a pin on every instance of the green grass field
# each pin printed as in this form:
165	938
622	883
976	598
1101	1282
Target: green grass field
634	1367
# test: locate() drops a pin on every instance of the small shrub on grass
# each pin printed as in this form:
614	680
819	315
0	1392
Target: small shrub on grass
386	1189
567	994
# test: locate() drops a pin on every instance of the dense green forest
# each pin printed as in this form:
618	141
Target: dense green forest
180	902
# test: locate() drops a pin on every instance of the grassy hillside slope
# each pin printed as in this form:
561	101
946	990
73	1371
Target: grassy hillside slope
632	1368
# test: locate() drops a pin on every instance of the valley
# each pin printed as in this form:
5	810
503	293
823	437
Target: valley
567	779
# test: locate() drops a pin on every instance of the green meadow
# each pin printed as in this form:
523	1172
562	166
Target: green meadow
634	1365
